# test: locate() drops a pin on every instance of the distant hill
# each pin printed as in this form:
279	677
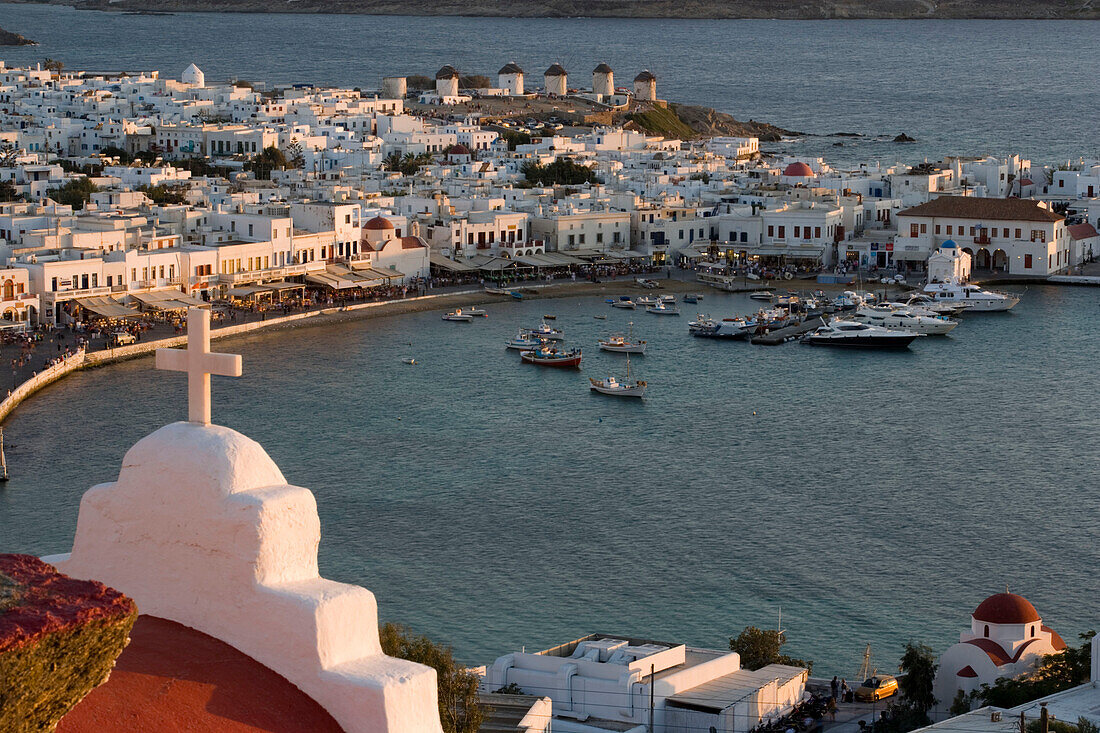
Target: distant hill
788	9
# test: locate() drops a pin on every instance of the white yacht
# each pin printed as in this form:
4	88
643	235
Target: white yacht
906	320
975	298
852	334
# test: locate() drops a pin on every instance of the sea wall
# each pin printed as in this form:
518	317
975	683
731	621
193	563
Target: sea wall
40	380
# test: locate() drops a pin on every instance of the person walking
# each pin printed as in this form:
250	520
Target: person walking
835	687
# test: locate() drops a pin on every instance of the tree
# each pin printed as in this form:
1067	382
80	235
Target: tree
8	191
295	154
458	699
417	81
53	65
961	704
474	81
919	665
75	193
163	194
8	155
562	171
111	151
1056	672
269	159
514	138
761	647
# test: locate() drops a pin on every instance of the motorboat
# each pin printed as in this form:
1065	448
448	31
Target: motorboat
729	329
662	309
552	356
853	334
476	312
624	302
692	297
701	320
523	342
900	318
647	300
848	301
668	298
495	291
647	283
547	317
975	298
546	331
458	315
929	304
762	295
623	344
619	388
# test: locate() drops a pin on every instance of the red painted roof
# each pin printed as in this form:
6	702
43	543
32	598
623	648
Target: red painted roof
378	223
799	169
997	653
1056	640
1081	231
412	243
1006	608
967	671
173	679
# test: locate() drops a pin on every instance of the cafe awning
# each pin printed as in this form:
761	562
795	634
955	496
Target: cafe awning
437	259
282	285
169	300
107	307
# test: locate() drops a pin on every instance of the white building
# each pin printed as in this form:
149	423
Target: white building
555	80
603	81
645	86
1006	639
510	79
1014	236
617	678
446	82
949	264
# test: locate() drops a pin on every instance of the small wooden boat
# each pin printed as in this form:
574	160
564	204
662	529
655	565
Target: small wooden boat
458	315
762	295
495	291
547	317
552	357
409	360
523	342
545	331
623	344
600	318
625	303
619	388
517	295
661	309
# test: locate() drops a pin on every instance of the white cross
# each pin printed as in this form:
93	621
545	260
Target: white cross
199	363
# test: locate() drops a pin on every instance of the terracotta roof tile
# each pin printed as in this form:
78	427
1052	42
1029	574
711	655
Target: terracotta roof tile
967	207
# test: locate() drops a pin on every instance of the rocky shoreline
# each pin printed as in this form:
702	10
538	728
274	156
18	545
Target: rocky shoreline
7	38
694	9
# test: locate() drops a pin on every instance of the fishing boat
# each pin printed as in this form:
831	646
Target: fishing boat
661	309
762	295
731	329
523	341
623	344
852	334
547	317
692	297
647	300
546	331
619	388
600	318
624	302
476	312
551	356
458	315
668	298
409	360
516	295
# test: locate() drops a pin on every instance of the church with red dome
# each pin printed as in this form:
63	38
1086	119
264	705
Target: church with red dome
1007	638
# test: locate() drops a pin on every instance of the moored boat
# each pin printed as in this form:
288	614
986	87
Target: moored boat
692	297
523	342
900	318
973	297
626	387
545	331
476	312
852	334
762	295
458	315
552	356
624	302
621	344
662	309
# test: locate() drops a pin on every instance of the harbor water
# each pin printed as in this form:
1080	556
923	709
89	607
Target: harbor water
960	87
873	497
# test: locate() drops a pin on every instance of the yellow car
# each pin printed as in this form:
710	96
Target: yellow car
877	688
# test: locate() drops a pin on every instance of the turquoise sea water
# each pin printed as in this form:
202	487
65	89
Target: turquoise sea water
875	497
959	87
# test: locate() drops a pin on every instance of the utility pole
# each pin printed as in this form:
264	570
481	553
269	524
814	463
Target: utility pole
1044	718
652	672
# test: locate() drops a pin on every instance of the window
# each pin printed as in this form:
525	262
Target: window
817	232
949	230
937	229
972	231
1004	232
987	631
796	233
1018	234
771	231
1027	262
782	232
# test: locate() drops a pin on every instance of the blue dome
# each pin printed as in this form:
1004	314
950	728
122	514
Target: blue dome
949	244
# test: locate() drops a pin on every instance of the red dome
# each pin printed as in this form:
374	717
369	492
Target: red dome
378	224
458	149
1006	608
800	170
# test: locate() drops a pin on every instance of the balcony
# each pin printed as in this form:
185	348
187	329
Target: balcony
982	239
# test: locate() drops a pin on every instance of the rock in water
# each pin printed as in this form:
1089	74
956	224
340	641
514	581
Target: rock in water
59	639
903	138
7	38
